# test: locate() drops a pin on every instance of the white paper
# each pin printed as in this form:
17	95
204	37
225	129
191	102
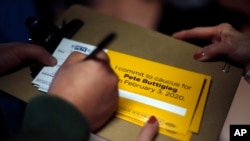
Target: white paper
64	49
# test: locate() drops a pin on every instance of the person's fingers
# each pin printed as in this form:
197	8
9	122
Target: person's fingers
74	57
211	52
149	131
103	56
214	33
34	52
197	33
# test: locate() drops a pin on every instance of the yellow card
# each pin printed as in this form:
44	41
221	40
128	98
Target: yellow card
169	93
195	124
177	136
196	121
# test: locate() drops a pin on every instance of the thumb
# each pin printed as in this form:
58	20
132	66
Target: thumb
149	131
39	54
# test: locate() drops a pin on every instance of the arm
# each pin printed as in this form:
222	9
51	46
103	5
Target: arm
65	122
52	118
83	97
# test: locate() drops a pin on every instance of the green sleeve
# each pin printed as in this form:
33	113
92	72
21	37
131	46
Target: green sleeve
49	118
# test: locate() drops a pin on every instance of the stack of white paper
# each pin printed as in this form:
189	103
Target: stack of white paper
43	79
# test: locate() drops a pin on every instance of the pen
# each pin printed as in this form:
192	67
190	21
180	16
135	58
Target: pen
101	46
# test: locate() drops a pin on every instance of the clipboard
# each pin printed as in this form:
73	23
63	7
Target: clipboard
151	45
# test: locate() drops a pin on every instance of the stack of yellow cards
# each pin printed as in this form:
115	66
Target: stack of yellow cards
176	97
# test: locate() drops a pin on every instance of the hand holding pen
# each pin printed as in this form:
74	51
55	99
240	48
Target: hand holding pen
91	86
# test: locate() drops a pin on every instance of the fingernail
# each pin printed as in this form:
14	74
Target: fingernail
152	120
247	76
199	55
52	60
